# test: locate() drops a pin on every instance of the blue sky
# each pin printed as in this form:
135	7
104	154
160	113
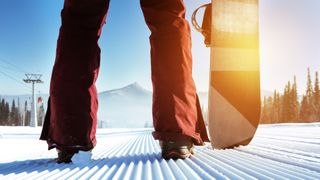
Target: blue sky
289	40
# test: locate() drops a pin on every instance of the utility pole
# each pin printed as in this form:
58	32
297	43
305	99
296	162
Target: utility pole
33	79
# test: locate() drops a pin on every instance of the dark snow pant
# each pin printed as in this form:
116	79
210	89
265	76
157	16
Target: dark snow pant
71	119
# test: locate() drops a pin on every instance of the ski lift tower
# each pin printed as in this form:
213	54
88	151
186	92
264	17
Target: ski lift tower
33	79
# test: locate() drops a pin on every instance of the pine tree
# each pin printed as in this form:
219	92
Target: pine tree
274	107
19	115
316	98
41	115
269	107
1	112
304	110
279	101
13	114
290	109
264	115
2	107
309	95
6	113
309	90
276	110
28	118
294	101
27	114
286	103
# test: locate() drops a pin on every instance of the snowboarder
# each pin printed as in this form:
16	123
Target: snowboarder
71	119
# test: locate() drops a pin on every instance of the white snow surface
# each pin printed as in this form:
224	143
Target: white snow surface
280	151
81	158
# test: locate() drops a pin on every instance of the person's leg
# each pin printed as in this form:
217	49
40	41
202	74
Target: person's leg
71	120
176	110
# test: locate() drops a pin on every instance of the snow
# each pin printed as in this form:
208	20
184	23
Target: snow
82	157
281	151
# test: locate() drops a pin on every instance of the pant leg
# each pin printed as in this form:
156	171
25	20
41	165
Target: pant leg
176	108
71	118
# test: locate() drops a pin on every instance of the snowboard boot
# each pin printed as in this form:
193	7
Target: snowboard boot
177	149
64	156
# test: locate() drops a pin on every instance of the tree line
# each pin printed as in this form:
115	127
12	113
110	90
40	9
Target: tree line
288	107
15	115
12	115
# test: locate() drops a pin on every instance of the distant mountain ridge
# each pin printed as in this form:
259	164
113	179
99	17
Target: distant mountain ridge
131	88
126	107
129	106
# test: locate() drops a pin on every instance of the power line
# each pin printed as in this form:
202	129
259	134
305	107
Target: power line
13	65
17	70
7	68
15	80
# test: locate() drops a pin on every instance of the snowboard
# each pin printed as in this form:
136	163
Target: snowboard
234	92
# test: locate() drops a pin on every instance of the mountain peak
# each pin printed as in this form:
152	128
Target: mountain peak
131	88
134	85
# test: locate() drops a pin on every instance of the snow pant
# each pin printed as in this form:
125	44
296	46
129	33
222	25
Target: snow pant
71	118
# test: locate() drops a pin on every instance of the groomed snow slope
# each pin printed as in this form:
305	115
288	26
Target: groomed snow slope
284	151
